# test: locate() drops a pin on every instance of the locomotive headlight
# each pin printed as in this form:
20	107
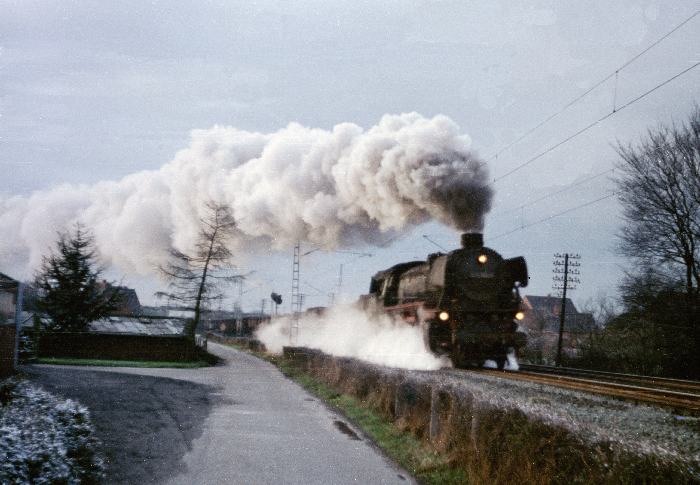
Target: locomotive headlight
444	316
519	316
482	259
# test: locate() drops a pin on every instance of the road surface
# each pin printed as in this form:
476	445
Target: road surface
242	422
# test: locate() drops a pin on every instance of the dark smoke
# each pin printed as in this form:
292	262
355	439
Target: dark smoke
330	188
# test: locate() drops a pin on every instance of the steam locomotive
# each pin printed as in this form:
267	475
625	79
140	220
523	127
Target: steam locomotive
466	302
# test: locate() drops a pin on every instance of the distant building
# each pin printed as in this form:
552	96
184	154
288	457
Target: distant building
233	323
154	311
122	338
541	323
8	298
128	304
137	326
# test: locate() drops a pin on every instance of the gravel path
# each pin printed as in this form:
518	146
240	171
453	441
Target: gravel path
241	422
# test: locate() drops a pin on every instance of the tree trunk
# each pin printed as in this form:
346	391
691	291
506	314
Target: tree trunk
191	329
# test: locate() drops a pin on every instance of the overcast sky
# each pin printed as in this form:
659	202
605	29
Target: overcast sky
93	91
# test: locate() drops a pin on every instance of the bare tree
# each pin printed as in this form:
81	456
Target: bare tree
194	277
659	188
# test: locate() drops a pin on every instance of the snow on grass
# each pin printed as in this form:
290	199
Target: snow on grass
638	428
44	439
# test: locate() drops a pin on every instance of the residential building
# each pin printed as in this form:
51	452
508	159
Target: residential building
542	321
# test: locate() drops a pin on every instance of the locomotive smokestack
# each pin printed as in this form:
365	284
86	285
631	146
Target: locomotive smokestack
471	240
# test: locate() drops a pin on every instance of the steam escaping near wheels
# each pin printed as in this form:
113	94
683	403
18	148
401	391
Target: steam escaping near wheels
511	362
346	331
332	188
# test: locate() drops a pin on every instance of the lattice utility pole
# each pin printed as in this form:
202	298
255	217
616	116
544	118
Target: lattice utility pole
565	278
296	297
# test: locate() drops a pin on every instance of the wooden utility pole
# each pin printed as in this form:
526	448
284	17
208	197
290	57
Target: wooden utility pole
563	282
562	312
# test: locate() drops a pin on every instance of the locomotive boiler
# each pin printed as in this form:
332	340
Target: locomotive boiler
466	302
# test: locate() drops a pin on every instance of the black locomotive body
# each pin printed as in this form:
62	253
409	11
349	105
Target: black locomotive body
466	301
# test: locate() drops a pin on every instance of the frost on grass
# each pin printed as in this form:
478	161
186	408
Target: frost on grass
641	429
44	439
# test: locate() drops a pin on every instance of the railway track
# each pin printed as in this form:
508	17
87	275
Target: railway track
673	393
680	385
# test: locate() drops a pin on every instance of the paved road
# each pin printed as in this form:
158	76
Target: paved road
242	423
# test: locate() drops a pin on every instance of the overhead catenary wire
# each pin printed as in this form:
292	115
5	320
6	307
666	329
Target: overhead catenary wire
578	98
594	123
572	209
425	236
547	196
615	110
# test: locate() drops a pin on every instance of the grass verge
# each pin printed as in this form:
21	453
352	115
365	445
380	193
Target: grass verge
122	363
412	454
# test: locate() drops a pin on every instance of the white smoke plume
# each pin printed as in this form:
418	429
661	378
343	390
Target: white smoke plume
330	188
346	331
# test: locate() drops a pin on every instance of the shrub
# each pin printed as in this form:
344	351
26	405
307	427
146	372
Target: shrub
44	439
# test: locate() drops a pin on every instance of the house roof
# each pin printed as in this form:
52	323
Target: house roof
6	282
546	311
580	323
550	304
129	297
138	326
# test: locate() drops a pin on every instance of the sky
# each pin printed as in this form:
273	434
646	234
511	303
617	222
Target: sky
98	91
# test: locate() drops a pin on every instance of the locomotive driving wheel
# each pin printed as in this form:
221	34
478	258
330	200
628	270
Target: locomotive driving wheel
461	359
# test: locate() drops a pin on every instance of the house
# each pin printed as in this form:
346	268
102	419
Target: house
8	301
8	297
542	321
122	338
128	304
233	323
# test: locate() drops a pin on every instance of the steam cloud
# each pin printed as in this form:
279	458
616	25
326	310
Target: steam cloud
346	331
330	188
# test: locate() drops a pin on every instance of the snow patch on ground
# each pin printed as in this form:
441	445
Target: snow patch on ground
44	439
639	428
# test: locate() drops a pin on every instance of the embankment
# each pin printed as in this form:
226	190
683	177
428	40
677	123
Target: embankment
504	431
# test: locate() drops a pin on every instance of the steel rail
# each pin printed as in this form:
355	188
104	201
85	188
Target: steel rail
636	379
650	395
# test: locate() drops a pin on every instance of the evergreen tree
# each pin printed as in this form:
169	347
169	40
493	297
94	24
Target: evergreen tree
68	280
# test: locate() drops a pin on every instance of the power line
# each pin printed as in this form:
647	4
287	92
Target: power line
565	189
572	209
425	236
319	292
592	88
594	123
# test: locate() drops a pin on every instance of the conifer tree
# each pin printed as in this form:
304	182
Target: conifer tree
69	282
